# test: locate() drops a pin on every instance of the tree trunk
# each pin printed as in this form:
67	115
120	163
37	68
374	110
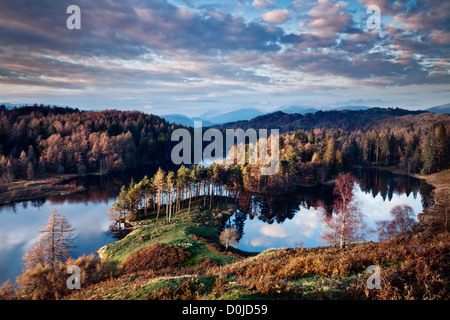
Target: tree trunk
190	198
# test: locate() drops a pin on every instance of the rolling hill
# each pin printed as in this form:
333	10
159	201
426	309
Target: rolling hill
374	118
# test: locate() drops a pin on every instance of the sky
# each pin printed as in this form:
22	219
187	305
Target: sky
190	57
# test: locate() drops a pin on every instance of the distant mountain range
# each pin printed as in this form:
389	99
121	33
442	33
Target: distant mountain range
212	118
445	108
217	117
370	119
184	120
18	105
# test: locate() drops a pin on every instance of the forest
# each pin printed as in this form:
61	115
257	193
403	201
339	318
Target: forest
307	158
36	141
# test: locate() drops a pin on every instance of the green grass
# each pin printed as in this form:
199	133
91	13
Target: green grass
198	222
333	287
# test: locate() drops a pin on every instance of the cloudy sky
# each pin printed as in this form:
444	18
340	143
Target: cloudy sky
187	56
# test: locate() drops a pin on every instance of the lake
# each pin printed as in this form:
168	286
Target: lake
296	219
265	222
86	211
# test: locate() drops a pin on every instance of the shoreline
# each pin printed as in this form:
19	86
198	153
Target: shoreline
427	215
26	190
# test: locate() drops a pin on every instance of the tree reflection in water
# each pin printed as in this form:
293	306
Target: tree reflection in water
284	209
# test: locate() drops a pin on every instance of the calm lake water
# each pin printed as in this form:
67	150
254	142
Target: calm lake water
290	221
270	222
86	211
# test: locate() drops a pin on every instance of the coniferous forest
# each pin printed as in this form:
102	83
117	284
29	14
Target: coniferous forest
40	140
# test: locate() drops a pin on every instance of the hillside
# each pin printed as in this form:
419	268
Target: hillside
374	118
37	141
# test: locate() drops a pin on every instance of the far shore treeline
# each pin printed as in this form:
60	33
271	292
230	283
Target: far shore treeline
36	141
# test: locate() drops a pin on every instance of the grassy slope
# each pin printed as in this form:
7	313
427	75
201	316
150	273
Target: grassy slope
198	222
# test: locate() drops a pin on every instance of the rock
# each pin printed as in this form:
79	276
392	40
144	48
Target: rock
102	252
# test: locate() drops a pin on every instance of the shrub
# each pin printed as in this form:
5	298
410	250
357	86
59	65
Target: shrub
154	257
191	289
47	283
271	287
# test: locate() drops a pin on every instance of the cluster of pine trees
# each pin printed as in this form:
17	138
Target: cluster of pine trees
37	140
320	154
171	192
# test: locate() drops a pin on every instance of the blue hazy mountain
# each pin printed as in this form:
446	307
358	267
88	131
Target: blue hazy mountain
218	117
297	109
184	120
352	108
444	108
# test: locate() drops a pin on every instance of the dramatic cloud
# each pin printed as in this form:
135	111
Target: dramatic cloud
240	52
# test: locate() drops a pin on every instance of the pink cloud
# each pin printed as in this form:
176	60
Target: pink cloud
276	16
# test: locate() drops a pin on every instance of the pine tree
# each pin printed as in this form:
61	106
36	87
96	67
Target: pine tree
385	149
30	171
146	188
170	184
192	181
429	153
311	136
160	183
330	155
181	182
442	146
120	206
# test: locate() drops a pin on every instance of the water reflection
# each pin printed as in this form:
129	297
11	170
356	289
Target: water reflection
86	211
290	220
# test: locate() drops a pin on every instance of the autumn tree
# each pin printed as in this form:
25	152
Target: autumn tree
330	155
229	237
54	245
346	223
159	183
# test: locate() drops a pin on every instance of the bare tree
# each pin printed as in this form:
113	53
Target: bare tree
54	245
403	221
229	237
